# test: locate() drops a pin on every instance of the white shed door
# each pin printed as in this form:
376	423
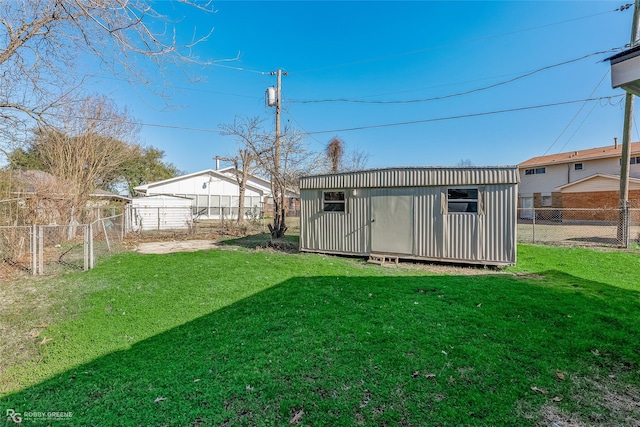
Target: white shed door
392	224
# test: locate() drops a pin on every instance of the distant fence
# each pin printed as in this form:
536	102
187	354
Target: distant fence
579	227
184	220
48	249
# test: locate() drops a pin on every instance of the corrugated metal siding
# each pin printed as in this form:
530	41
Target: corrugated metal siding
461	235
413	177
499	245
343	232
489	236
428	223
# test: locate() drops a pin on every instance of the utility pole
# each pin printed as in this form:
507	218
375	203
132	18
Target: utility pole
279	226
623	226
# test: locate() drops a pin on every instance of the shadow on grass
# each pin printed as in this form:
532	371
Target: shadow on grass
287	244
360	350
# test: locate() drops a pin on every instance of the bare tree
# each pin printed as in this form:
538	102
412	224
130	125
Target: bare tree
283	166
340	159
248	134
87	148
295	161
355	160
41	42
335	151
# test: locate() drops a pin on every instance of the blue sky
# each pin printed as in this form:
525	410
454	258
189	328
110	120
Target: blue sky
400	52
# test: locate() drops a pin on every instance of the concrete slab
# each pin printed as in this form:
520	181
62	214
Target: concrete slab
176	246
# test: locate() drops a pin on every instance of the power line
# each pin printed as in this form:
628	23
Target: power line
535	178
588	114
464	116
413	52
575	116
438	98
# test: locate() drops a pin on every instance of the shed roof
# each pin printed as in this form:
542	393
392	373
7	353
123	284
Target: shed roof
414	177
581	155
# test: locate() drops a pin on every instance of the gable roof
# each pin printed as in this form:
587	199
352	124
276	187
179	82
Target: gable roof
232	172
142	189
599	182
108	195
582	155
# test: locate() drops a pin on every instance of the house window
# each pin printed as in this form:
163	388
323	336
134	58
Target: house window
535	171
462	200
546	200
635	160
577	167
333	201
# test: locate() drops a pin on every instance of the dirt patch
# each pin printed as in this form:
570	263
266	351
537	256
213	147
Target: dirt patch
451	269
281	246
552	416
605	401
175	246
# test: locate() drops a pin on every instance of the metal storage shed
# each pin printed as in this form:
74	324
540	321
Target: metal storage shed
453	214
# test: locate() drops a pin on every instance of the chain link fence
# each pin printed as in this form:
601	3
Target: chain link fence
579	227
51	249
17	245
184	222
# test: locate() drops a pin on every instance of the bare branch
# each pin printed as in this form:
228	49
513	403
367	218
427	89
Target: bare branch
41	41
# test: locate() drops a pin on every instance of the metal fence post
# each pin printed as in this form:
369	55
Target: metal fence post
85	247
91	258
41	249
533	227
34	249
106	237
626	226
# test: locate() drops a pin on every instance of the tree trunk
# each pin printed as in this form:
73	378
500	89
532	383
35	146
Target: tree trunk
279	227
243	189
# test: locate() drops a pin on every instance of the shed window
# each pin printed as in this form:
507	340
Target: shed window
333	201
462	200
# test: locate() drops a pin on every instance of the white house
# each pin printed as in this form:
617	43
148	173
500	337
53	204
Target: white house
215	193
577	179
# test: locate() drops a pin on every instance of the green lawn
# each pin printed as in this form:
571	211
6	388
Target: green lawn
240	337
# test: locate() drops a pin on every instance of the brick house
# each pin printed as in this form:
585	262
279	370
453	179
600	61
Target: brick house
586	179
